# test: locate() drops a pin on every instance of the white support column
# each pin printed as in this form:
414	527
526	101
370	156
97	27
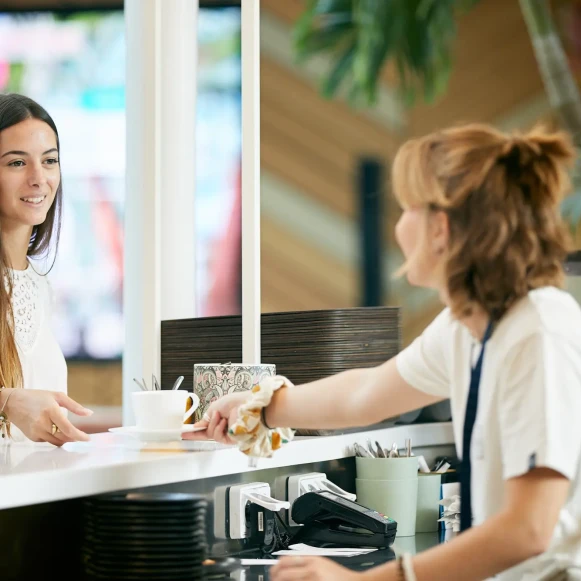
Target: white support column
159	220
141	296
251	306
179	66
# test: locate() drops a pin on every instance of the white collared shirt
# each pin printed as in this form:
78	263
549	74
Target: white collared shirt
529	407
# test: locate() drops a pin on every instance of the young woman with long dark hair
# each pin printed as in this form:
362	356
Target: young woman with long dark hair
33	371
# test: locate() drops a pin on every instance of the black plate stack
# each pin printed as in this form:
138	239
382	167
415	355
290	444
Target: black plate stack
139	536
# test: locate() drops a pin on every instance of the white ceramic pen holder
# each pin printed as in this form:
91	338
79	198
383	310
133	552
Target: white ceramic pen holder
390	486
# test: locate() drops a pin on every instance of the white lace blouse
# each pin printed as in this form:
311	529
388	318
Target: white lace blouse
42	360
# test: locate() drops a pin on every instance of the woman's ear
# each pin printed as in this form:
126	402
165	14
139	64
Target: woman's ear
439	231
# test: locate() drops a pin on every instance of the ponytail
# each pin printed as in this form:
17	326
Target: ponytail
501	194
539	160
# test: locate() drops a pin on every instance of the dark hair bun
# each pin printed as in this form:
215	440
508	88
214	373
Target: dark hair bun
539	160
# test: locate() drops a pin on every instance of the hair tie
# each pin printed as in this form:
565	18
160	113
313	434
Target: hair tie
253	437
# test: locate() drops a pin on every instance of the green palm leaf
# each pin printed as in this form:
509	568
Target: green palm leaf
361	36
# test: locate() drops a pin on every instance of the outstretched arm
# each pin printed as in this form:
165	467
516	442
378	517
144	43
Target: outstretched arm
358	397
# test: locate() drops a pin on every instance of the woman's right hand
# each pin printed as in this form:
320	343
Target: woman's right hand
34	411
220	415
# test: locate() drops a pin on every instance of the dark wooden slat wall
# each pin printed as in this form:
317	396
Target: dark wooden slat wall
304	345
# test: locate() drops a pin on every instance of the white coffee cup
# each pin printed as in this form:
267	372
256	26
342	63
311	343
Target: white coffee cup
163	409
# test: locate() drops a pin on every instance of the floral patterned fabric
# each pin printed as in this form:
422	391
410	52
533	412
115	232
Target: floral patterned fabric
252	436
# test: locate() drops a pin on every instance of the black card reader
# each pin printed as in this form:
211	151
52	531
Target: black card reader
330	519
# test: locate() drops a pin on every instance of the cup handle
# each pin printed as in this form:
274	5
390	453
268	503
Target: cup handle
191	406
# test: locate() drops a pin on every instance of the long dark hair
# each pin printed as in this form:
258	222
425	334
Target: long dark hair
14	109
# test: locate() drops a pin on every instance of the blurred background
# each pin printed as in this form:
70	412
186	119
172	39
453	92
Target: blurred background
344	83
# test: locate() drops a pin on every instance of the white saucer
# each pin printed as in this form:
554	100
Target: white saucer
149	435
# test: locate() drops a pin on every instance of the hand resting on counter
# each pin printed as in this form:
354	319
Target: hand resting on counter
35	412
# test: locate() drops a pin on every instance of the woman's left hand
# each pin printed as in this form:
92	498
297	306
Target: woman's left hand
311	569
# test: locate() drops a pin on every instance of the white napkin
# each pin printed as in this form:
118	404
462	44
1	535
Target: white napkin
451	516
309	551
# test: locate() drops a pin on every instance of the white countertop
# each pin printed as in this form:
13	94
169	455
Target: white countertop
36	473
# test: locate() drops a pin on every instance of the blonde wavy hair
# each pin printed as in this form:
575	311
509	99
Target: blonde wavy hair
501	193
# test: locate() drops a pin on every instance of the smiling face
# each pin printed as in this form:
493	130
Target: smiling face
29	173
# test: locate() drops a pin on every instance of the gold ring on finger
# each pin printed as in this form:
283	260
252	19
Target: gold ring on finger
55	429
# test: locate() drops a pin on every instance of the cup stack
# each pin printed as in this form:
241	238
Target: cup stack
390	486
139	536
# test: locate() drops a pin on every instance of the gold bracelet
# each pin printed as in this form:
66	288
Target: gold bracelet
4	421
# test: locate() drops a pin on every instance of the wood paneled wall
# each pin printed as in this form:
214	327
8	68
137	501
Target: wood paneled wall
313	144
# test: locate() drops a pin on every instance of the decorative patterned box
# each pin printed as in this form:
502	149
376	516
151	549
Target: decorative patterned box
213	380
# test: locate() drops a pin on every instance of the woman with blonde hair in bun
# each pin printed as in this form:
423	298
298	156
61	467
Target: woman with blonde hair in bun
480	225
